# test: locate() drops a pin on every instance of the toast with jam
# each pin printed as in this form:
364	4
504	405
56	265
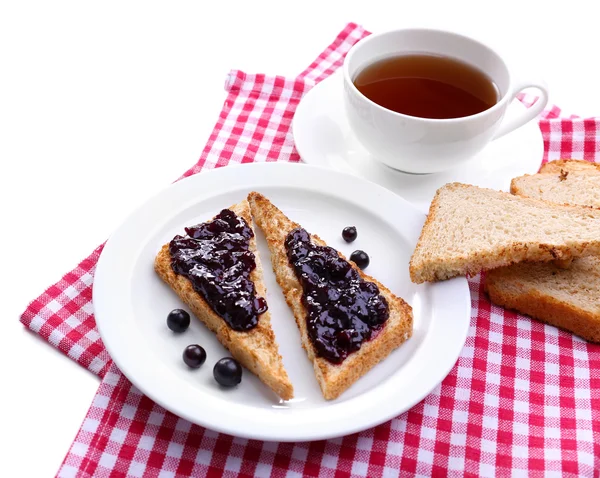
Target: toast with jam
348	321
216	270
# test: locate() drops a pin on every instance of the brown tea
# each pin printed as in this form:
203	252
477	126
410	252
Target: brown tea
427	86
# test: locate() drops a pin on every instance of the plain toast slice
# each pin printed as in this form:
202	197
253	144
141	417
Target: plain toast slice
574	182
471	229
576	188
333	379
564	298
570	166
256	349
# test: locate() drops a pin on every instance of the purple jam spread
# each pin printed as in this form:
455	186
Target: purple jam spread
215	257
343	309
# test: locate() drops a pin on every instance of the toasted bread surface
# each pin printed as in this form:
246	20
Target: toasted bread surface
571	182
570	166
256	349
471	229
567	299
578	188
333	379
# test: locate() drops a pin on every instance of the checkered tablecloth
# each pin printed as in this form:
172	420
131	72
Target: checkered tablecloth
522	400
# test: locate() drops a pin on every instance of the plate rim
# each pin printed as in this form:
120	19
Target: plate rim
224	427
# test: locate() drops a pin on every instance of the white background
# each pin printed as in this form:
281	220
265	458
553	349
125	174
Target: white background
102	104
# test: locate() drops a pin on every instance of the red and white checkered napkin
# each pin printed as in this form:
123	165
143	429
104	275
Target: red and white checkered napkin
523	398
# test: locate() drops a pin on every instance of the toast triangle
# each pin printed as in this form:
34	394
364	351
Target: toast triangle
255	349
333	379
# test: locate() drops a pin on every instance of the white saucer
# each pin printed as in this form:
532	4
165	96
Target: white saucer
323	137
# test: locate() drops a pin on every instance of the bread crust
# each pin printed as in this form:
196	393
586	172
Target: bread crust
333	379
256	349
425	268
527	300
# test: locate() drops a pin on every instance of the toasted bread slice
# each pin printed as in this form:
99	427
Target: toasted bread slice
564	298
572	182
567	299
570	166
577	188
256	348
471	229
333	379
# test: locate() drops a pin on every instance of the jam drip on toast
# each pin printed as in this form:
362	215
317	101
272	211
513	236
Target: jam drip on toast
343	309
216	259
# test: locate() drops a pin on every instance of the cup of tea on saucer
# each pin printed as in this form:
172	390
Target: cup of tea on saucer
424	101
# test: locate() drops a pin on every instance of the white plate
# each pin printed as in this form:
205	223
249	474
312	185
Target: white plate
323	138
131	305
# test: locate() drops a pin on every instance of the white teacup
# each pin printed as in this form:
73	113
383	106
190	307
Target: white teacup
422	145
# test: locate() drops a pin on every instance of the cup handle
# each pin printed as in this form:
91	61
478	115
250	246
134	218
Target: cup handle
520	119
